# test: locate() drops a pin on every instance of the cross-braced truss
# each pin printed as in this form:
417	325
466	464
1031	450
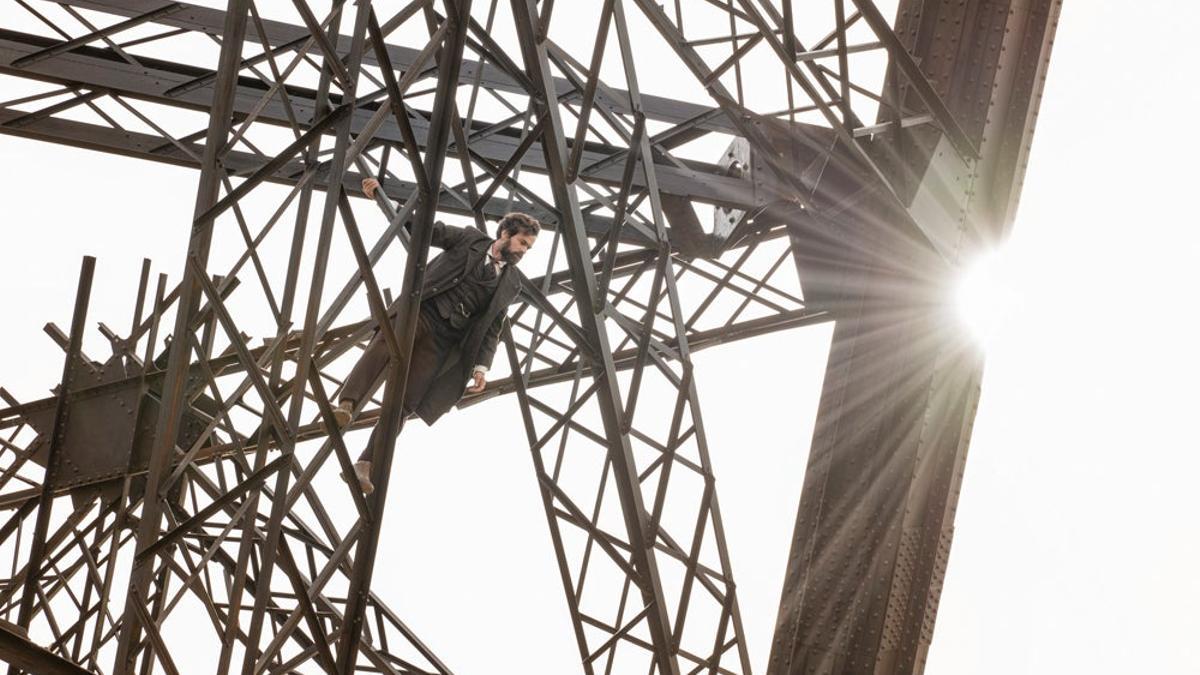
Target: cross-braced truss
204	500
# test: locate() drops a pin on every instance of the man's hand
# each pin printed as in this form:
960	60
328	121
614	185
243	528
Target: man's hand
369	186
480	383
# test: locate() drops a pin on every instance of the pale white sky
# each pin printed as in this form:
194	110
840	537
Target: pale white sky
1076	547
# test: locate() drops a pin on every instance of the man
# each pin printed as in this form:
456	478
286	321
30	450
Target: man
467	290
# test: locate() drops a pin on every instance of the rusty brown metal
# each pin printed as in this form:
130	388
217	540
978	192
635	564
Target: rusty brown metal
876	517
17	651
186	457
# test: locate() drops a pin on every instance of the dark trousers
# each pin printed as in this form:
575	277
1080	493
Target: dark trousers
433	341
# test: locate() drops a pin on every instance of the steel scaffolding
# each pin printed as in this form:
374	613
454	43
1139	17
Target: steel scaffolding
176	478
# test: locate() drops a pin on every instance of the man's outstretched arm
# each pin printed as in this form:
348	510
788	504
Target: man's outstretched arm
444	236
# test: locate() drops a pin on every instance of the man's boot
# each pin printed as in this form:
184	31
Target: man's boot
343	412
362	471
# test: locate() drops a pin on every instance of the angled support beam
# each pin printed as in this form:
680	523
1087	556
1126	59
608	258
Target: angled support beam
17	651
63	47
449	63
904	60
156	149
157	81
339	164
38	548
173	396
902	385
198	18
635	514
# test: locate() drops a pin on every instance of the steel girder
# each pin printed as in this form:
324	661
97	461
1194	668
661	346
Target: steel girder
648	615
901	389
548	348
19	652
250	544
840	188
175	84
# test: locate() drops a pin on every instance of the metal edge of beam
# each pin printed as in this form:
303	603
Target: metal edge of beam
101	69
19	651
195	17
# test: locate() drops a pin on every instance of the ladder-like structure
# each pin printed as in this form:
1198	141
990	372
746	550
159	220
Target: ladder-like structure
192	477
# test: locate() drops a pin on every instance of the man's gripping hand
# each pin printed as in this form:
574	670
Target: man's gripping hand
369	186
480	383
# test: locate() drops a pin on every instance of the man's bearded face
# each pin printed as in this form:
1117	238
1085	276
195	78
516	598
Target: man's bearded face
507	254
513	249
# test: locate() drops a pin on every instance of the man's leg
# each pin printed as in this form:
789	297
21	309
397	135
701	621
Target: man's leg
426	361
361	381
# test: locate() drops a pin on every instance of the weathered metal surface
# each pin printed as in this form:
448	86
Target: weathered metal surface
872	216
109	433
17	651
876	516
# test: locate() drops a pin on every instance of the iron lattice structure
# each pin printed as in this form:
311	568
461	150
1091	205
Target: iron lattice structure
176	483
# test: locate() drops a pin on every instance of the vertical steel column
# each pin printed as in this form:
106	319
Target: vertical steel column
709	508
167	426
333	194
45	502
876	517
899	397
458	17
637	519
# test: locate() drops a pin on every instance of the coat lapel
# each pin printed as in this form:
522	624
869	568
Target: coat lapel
506	289
501	297
475	254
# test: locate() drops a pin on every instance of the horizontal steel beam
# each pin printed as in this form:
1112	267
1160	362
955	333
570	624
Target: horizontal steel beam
161	81
159	149
627	358
210	21
623	360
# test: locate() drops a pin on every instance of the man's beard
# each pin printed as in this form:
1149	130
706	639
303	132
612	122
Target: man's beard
508	255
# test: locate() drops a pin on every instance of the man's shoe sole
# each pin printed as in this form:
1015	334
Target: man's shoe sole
365	485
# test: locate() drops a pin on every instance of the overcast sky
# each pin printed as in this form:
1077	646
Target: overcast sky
1076	544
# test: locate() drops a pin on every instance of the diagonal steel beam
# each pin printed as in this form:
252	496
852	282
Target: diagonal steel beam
338	167
449	63
39	546
929	96
166	429
603	369
210	21
158	81
63	47
20	653
688	397
157	149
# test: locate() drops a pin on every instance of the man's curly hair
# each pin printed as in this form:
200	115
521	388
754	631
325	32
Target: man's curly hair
518	223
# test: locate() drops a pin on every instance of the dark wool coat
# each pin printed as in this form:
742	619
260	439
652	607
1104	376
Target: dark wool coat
463	247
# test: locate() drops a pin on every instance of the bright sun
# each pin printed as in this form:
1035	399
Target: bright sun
988	296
